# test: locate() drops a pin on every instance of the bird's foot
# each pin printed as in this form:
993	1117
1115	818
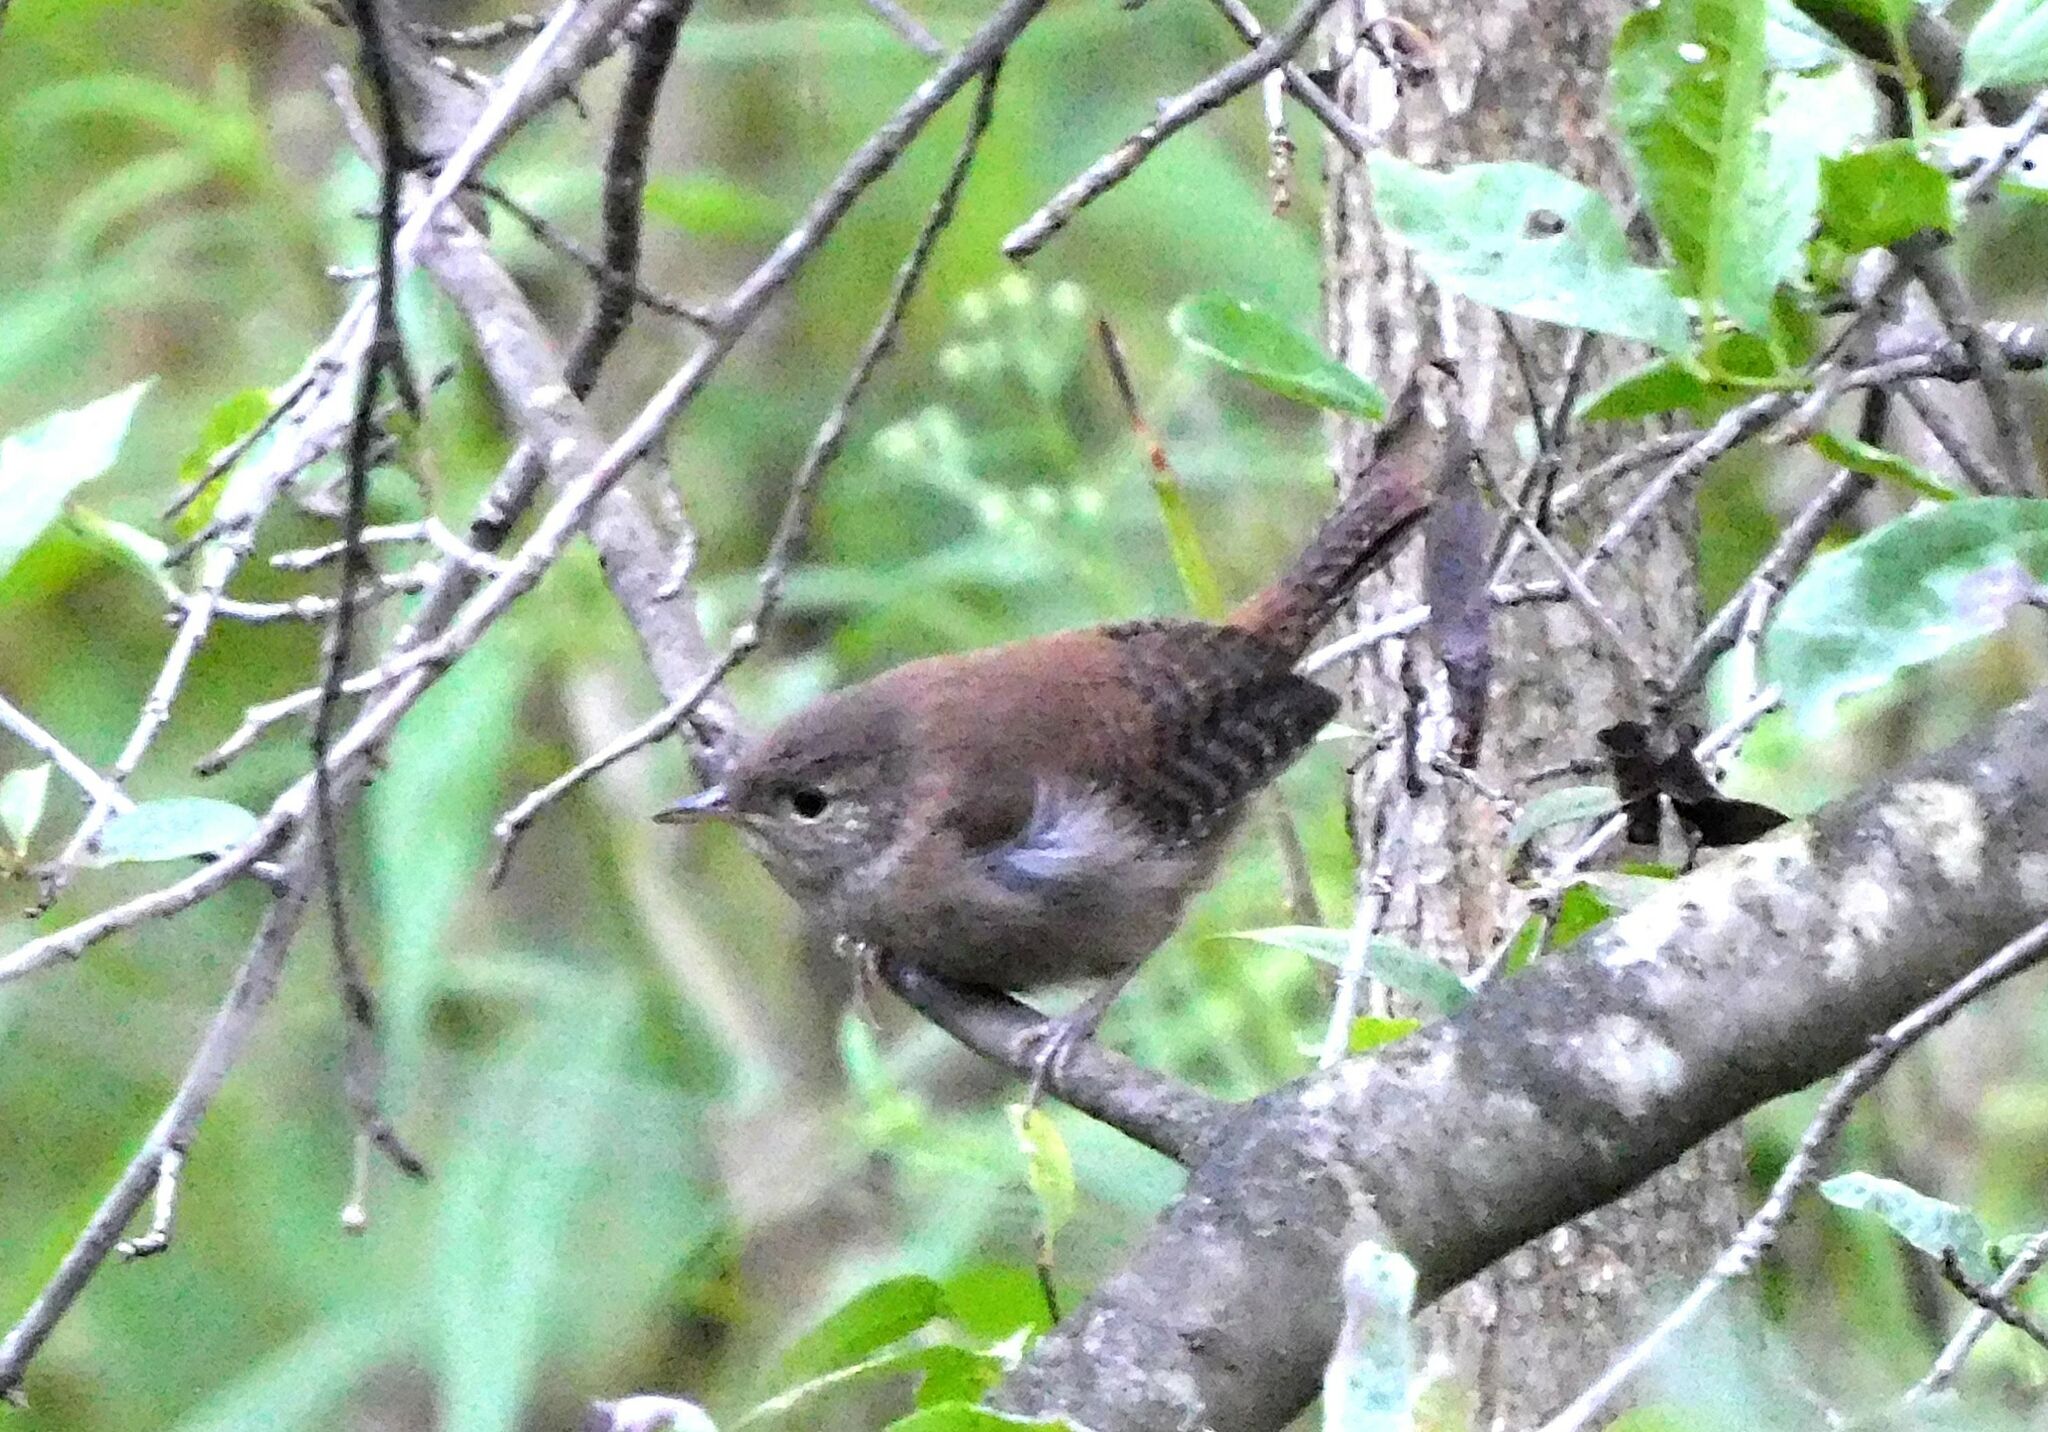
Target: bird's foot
1058	1036
1048	1046
867	973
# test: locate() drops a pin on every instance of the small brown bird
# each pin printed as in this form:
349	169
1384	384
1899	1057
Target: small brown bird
1040	812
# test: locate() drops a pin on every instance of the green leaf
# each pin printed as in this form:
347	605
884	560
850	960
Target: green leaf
172	829
1686	91
1917	587
1874	461
1665	385
1794	42
232	419
1395	965
1184	543
1732	189
43	464
1369	1385
1582	907
994	1300
2008	45
1529	241
131	546
1624	889
1265	349
945	1374
1048	1168
1669	384
866	1323
1929	1224
1560	807
22	794
1373	1031
1882	195
967	1417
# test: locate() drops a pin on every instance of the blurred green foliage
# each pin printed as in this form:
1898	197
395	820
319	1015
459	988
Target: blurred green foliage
659	1150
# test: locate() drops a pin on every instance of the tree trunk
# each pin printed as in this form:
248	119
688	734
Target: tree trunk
1517	80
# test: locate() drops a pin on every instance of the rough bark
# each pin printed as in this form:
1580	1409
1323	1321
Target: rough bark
1557	1091
1520	80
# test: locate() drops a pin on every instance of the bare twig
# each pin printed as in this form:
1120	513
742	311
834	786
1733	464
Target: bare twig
383	356
431	530
75	767
1174	115
2033	1255
909	27
1748	610
1762	1229
1342	127
1989	1300
1975	467
2008	423
253	987
562	243
794	526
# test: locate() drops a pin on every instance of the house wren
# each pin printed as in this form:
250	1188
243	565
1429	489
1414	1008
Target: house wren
1040	812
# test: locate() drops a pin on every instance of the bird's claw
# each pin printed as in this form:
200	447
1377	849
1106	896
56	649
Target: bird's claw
1048	1046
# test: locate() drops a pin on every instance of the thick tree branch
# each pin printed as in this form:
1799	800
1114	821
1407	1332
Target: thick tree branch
1558	1090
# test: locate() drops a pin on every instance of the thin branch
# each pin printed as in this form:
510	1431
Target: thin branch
253	987
1972	464
1786	559
1174	115
1989	1300
1159	1112
1342	127
909	27
794	527
431	530
2008	422
75	767
2033	1255
548	233
1762	1230
362	1060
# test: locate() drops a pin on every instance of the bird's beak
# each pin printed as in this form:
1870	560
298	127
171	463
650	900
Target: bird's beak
710	803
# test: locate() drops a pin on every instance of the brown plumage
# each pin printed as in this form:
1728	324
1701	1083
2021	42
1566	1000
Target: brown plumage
1041	811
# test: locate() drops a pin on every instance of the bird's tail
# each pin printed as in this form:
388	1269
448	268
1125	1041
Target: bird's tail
1386	502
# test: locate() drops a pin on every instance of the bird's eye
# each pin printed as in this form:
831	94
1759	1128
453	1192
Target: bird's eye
808	802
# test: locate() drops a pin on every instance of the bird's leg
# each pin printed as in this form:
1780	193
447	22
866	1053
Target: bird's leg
1059	1035
867	972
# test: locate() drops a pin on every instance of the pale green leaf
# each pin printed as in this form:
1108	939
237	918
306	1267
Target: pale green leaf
866	1323
1915	588
172	829
1883	195
1929	1224
1395	965
22	795
43	464
1526	240
1874	461
1266	349
2008	45
1558	807
1048	1168
1373	1031
131	546
1369	1384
